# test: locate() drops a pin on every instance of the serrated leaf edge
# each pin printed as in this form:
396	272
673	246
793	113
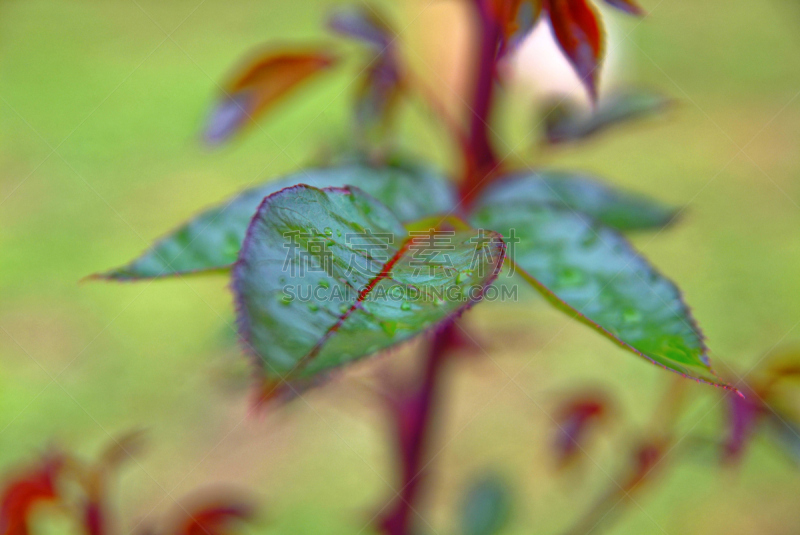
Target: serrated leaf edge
243	326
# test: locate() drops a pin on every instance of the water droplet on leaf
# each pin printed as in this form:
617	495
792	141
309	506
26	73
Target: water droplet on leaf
631	315
463	276
570	277
389	327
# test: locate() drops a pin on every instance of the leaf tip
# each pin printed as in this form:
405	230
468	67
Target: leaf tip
227	117
104	276
628	6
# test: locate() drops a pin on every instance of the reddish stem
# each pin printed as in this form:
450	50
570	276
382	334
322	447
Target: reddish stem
480	162
413	420
479	156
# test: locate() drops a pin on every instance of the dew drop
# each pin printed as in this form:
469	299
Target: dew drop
405	306
324	284
389	327
338	232
631	315
571	277
463	276
344	307
285	300
328	231
313	307
232	246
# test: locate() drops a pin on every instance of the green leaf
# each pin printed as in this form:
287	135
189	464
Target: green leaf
328	276
211	240
616	208
591	272
486	506
566	122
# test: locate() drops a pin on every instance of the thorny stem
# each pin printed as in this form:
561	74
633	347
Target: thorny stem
480	162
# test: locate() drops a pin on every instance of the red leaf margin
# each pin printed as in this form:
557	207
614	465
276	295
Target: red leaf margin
552	298
269	389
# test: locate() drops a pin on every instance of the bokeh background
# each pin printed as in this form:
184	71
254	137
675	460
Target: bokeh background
101	105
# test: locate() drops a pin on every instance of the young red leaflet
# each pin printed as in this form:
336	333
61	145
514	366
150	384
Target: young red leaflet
574	419
577	29
259	86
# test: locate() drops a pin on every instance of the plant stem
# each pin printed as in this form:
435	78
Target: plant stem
414	417
480	161
479	156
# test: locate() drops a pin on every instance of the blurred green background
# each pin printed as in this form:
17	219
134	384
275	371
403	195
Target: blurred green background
101	103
